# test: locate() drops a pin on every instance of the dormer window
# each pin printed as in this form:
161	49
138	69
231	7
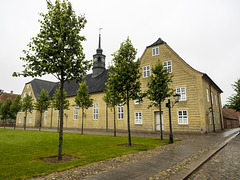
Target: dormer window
155	51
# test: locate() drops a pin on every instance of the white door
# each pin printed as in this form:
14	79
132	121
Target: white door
157	120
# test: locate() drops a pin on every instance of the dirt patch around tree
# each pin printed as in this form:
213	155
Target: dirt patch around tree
54	159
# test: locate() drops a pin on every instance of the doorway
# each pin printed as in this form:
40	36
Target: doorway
157	120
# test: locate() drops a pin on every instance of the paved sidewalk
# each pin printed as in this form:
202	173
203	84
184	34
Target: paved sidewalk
147	167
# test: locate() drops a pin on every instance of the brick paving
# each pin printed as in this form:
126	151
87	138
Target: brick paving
224	165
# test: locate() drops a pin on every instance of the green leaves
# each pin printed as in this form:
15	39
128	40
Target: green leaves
158	85
43	102
83	98
126	71
57	47
56	100
234	100
27	103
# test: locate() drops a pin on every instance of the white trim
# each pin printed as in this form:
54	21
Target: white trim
19	120
146	71
120	112
207	94
168	65
138	117
95	111
75	112
155	51
182	91
30	119
182	118
45	115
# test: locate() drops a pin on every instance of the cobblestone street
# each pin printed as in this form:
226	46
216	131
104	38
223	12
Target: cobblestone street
224	165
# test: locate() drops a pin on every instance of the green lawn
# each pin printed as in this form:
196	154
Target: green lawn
20	151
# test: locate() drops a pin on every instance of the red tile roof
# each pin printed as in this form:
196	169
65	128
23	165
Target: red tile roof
4	96
230	114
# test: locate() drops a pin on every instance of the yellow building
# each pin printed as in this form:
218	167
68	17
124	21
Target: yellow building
199	108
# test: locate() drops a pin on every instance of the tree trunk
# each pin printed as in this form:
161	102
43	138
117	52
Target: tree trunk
4	123
128	122
61	122
25	120
114	119
40	125
82	120
160	112
14	126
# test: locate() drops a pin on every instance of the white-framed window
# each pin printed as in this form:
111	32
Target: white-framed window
210	117
95	111
27	86
155	51
182	117
19	120
182	92
138	101
207	95
168	65
146	71
30	119
138	118
45	115
75	112
29	93
24	95
216	100
218	118
120	111
58	117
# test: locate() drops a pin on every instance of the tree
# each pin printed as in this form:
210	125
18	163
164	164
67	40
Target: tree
15	108
127	75
83	99
5	110
158	88
42	104
111	96
234	100
57	50
57	104
1	91
27	106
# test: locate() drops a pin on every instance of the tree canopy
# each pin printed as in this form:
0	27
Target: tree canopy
234	100
57	50
127	76
42	104
27	106
158	88
83	99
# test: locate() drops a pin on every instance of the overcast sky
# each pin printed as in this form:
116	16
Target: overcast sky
205	33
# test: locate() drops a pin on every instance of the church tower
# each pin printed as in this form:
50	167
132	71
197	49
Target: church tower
98	60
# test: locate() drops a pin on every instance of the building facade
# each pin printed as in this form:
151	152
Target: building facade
199	109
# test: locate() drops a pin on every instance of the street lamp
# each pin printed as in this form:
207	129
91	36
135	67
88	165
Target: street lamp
168	104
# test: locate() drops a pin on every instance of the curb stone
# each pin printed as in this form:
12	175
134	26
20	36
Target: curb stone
191	168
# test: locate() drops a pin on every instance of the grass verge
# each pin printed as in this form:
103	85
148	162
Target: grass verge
21	151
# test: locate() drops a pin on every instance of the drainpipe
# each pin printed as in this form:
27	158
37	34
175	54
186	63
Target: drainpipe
212	107
220	112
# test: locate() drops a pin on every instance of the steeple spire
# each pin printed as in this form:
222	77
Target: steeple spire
99	50
98	59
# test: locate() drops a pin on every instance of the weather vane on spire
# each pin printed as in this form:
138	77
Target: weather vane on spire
100	30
